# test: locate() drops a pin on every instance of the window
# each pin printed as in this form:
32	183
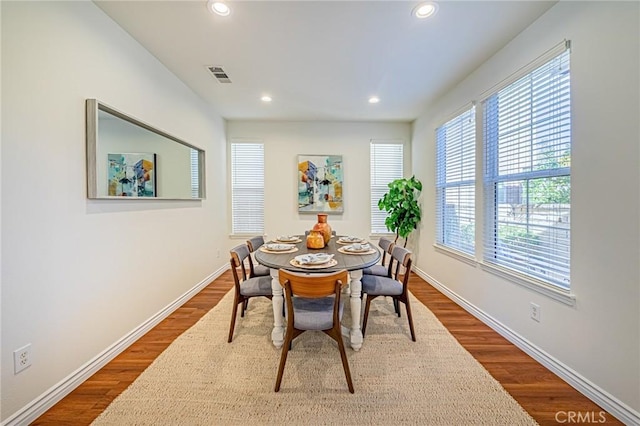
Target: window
455	182
195	174
247	188
386	166
527	165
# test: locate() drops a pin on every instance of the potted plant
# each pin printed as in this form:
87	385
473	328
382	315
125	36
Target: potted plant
402	204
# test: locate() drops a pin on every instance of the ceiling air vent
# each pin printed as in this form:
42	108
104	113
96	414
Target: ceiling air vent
219	74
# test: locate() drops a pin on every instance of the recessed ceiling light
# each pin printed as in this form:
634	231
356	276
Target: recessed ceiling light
218	8
266	98
374	100
424	10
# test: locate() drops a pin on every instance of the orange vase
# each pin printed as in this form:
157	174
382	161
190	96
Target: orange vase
323	227
315	240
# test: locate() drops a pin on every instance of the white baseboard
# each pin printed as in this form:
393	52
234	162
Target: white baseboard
598	395
49	398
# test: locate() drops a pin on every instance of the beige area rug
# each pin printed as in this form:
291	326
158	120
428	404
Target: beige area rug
200	379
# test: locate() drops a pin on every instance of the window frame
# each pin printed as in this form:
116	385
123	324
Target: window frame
492	178
240	230
463	142
381	188
196	173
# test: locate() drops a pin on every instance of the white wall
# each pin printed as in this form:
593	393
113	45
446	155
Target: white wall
79	274
283	141
598	338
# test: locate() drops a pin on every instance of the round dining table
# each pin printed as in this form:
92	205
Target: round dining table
342	259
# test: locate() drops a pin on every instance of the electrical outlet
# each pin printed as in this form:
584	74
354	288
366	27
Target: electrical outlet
535	312
21	358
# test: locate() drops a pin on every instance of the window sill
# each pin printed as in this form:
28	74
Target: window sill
462	256
539	286
374	235
243	236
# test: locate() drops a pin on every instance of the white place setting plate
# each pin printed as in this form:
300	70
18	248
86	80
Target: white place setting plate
313	258
350	240
357	249
278	247
288	239
314	261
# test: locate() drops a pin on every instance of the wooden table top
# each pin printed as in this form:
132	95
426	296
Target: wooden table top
349	262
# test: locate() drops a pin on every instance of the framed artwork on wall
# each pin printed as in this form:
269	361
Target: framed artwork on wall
320	182
131	174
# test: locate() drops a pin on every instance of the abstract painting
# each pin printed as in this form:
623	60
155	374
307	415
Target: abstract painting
132	174
320	180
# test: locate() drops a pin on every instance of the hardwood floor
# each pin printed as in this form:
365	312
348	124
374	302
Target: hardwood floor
541	393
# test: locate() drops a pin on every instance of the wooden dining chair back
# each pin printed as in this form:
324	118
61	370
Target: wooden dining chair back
256	270
374	286
313	303
245	286
383	269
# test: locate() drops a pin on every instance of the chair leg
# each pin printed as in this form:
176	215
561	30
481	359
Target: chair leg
366	313
295	334
345	362
286	346
233	318
408	306
245	303
396	305
283	361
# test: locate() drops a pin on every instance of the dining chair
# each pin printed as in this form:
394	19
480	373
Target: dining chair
374	286
256	270
313	303
246	288
382	269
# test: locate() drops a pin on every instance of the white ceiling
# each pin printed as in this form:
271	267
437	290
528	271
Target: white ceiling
322	60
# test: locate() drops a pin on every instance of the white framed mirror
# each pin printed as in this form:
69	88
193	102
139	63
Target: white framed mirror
129	159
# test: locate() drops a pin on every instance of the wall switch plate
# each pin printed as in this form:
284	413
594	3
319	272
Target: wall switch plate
21	358
535	312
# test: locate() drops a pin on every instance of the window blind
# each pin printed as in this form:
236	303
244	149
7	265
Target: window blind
247	188
195	174
455	182
387	162
527	159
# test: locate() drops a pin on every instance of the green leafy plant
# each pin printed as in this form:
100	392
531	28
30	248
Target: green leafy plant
401	203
